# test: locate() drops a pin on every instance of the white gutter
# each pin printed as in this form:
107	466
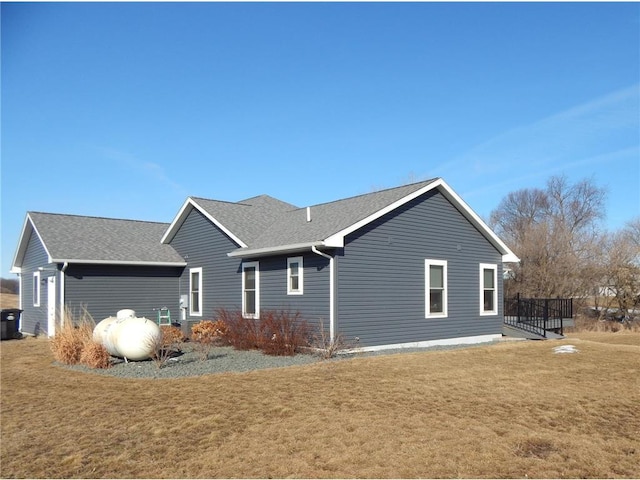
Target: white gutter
258	252
138	263
65	265
332	287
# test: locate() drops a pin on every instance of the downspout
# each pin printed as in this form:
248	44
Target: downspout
62	277
332	334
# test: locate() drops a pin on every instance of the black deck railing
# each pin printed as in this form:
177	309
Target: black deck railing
537	315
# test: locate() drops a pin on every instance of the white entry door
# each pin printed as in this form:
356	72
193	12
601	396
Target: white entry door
51	306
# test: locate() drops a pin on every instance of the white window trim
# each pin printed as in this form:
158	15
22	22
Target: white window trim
37	289
299	261
255	265
445	294
494	267
192	312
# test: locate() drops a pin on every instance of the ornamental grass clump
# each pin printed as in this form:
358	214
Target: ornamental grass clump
71	337
95	355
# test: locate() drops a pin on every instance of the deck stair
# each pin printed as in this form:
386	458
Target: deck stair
537	318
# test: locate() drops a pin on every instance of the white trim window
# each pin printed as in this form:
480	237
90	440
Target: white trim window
36	289
488	289
295	276
195	292
251	290
436	291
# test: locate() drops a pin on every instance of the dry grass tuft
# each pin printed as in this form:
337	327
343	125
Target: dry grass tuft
72	336
535	447
586	323
95	355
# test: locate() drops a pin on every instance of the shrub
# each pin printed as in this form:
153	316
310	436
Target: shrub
277	332
327	348
282	333
71	337
242	333
209	331
95	355
167	347
206	334
172	336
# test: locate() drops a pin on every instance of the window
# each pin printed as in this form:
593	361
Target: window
436	288
488	289
195	291
36	289
295	273
251	290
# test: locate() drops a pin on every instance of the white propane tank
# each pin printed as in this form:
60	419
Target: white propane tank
137	338
128	336
125	313
99	331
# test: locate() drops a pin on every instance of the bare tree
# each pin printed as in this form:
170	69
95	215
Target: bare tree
620	274
553	232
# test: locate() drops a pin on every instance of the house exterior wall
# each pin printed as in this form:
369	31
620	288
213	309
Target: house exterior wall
204	245
313	304
33	320
105	289
381	276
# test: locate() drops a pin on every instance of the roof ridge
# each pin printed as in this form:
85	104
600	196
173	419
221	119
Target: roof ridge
96	217
219	201
426	182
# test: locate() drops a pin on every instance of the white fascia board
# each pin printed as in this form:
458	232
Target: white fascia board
27	227
138	263
467	211
279	250
182	215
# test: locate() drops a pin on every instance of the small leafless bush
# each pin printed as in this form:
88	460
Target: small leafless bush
242	333
165	347
283	333
328	348
207	334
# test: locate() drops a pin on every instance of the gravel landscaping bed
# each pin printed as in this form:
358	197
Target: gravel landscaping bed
226	359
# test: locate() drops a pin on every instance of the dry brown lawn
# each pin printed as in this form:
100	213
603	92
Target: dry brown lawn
8	300
514	409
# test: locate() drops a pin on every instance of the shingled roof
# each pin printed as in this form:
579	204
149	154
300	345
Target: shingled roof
259	225
264	225
80	239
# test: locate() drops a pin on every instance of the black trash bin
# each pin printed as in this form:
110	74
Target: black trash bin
10	318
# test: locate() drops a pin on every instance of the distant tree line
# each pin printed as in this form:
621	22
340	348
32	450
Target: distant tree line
9	285
564	252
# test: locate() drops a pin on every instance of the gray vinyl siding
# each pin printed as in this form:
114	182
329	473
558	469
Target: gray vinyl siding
203	245
105	289
313	304
381	276
33	320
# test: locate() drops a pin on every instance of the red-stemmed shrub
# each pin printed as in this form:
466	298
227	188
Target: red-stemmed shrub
276	332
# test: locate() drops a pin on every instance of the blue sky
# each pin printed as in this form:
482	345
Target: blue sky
124	109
